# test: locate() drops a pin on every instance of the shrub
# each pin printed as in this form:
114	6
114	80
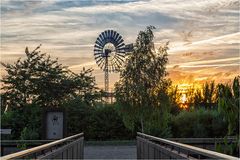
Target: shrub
198	124
106	124
100	122
22	120
78	116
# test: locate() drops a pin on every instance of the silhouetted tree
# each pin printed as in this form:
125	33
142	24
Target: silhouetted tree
43	81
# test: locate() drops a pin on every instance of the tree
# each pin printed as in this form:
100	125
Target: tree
39	82
39	79
228	106
142	85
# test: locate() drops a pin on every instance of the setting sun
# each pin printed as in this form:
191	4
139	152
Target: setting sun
184	98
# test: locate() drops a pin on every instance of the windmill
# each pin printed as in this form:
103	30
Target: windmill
109	53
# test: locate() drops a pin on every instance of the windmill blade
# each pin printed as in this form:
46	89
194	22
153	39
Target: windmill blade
105	35
97	53
120	45
116	64
121	55
119	38
119	42
112	34
109	34
121	51
99	61
113	68
102	37
102	63
119	59
97	50
97	46
96	57
100	41
116	35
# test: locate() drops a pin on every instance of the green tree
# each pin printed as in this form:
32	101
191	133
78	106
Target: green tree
38	82
228	106
39	79
142	83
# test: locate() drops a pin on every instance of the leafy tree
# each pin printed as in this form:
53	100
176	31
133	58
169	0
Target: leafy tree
228	106
39	79
39	82
142	83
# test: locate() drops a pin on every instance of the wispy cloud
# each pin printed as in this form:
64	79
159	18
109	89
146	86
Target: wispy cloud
68	30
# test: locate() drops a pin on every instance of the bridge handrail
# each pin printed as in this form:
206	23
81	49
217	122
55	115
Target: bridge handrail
197	150
40	148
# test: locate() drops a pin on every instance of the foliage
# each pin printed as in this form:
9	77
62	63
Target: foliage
100	122
228	106
23	121
142	83
174	97
40	80
106	124
198	124
204	97
78	115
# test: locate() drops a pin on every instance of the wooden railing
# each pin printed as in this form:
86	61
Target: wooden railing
150	147
67	148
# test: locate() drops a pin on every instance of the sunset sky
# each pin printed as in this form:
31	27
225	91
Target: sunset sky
203	34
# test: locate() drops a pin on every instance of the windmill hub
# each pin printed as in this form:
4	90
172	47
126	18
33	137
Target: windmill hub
109	50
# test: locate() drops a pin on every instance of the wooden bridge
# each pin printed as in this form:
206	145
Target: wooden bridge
148	147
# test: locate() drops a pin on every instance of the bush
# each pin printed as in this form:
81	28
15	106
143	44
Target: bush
23	121
78	116
106	124
97	122
198	124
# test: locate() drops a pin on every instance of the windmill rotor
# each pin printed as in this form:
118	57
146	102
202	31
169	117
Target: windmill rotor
109	53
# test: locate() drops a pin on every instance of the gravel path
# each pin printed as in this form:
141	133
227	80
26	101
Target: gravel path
110	152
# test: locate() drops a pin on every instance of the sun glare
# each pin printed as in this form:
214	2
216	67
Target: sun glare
183	98
183	92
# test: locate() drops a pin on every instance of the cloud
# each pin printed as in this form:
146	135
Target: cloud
202	34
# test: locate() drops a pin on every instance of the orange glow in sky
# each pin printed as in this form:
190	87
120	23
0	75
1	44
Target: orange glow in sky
203	35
